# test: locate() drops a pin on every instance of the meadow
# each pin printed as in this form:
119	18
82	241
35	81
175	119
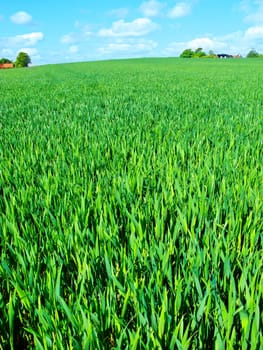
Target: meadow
131	211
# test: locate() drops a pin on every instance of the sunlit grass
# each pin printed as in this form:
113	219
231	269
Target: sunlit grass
131	212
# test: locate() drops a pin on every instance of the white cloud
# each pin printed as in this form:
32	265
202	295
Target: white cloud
151	8
240	42
205	43
181	9
138	27
73	49
254	33
25	40
30	39
21	17
129	47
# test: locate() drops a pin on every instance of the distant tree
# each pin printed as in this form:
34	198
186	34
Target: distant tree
187	53
199	53
5	60
253	54
22	60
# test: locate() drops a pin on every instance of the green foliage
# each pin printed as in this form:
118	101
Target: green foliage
187	53
199	53
22	60
253	54
131	212
5	60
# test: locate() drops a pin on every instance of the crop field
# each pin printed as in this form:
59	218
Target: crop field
131	205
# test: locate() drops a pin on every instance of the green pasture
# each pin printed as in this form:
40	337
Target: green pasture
131	205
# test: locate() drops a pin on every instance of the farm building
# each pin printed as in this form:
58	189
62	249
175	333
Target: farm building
6	65
224	55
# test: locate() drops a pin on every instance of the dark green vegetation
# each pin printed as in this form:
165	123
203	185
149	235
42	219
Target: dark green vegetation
198	53
22	60
5	60
131	209
254	54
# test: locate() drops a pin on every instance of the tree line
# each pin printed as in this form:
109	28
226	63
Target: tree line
22	60
199	53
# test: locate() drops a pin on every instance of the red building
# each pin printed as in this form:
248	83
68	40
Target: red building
6	65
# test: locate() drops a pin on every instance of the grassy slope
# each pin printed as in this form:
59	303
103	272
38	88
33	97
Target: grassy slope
131	204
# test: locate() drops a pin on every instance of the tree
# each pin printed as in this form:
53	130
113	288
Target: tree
187	53
5	60
199	53
22	60
253	54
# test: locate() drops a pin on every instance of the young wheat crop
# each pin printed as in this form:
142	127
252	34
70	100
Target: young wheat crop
131	212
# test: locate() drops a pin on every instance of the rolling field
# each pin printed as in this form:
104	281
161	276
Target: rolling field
131	205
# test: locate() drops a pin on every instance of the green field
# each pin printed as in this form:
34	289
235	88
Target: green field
131	205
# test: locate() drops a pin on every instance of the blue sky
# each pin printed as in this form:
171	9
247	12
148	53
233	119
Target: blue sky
55	31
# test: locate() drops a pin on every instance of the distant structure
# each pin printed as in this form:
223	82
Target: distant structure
6	65
224	55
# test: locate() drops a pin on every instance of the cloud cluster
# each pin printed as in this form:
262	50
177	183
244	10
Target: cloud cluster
254	33
239	42
11	45
130	46
135	31
24	42
138	27
21	17
121	37
135	37
29	39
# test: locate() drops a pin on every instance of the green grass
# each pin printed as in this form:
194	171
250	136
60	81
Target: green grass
131	211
